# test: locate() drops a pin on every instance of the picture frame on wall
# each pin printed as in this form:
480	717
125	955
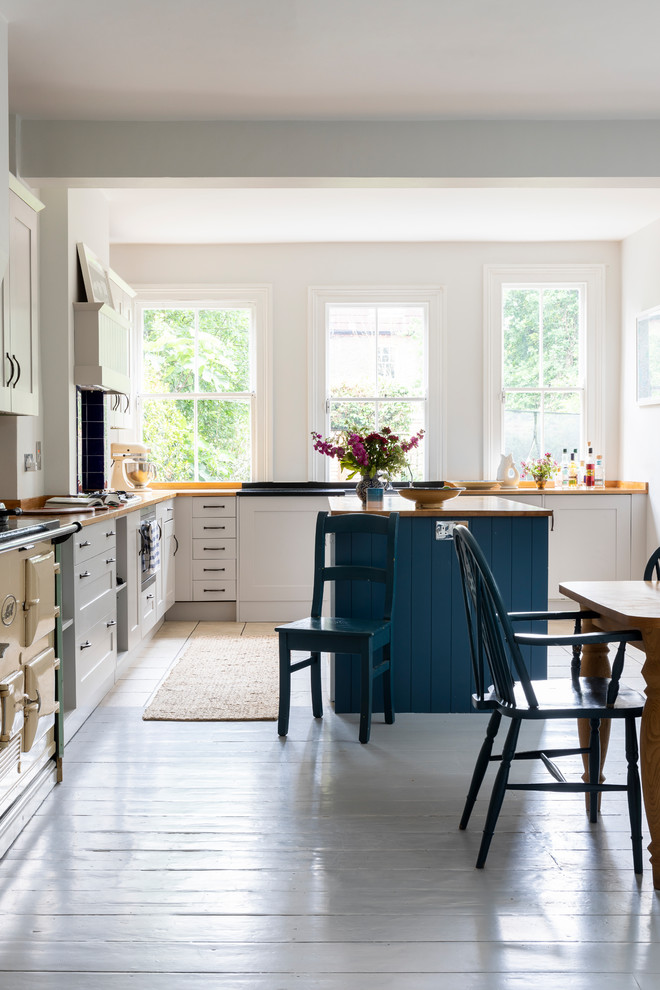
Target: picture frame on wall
95	277
648	357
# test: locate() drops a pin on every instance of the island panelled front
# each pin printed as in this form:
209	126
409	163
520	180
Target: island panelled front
431	660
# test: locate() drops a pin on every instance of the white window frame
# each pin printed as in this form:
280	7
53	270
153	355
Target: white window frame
591	280
432	298
258	298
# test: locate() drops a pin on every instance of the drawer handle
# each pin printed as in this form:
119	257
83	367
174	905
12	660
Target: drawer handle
85	544
177	545
214	569
215	527
111	622
214	548
211	590
86	645
110	560
149	596
84	574
214	506
111	533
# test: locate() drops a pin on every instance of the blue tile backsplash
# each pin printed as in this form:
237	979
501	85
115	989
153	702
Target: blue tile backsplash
92	447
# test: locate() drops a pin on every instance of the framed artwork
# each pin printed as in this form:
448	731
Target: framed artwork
648	357
95	277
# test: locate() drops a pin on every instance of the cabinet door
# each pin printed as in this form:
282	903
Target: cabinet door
165	576
590	539
23	313
276	556
6	367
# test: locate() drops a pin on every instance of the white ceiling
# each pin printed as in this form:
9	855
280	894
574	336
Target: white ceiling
386	59
207	216
345	59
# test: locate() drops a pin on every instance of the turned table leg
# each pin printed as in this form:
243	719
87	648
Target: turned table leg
595	663
650	747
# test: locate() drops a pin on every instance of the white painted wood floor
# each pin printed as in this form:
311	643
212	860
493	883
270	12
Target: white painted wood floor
191	856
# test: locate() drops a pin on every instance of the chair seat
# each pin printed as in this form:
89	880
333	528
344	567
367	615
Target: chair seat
560	698
312	630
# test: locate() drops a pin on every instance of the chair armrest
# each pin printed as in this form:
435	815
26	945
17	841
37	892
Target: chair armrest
582	639
548	616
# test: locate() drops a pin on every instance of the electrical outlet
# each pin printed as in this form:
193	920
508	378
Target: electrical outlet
29	462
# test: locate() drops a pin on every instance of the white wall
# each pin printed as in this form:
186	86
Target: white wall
640	425
70	215
291	268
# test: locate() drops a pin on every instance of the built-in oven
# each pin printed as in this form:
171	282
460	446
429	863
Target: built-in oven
150	539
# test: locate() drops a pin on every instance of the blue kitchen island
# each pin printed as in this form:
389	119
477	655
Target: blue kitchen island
431	662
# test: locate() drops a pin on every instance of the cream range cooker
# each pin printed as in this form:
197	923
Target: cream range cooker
30	677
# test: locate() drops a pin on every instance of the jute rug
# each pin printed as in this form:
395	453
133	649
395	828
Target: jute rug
220	678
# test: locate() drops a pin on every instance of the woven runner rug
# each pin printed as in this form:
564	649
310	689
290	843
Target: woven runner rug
220	678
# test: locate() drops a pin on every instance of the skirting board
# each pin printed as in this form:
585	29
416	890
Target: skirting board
202	611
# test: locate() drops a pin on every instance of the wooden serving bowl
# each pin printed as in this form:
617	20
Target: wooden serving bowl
430	498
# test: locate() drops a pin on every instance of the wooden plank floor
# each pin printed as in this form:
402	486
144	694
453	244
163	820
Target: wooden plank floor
214	856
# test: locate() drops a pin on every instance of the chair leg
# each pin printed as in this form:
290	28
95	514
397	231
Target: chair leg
388	706
366	692
315	677
285	689
480	767
499	790
634	794
594	767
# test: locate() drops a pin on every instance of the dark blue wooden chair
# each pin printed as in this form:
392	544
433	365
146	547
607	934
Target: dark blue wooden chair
652	569
504	688
365	638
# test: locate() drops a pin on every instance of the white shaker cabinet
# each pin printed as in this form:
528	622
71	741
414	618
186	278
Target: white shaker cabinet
168	549
19	317
95	613
592	537
206	552
276	541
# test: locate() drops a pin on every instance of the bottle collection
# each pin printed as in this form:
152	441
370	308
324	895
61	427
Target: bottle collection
588	472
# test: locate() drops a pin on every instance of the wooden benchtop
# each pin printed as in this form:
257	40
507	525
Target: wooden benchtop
454	508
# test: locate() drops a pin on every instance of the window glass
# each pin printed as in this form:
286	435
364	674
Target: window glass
377	373
197	399
543	392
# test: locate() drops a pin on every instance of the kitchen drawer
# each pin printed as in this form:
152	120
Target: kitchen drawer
214	591
148	608
212	548
214	570
92	540
96	652
95	581
215	526
214	505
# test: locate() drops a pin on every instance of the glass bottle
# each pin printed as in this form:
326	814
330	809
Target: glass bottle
564	468
573	471
590	468
599	472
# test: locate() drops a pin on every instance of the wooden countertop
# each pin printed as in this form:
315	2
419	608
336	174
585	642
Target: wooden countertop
454	508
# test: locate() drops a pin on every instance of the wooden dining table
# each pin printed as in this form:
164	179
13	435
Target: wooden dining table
630	605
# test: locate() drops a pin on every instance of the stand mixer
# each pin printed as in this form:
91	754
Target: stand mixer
131	467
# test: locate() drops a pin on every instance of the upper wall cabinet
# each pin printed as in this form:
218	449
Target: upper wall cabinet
19	320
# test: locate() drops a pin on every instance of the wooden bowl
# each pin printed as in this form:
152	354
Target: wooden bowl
430	498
